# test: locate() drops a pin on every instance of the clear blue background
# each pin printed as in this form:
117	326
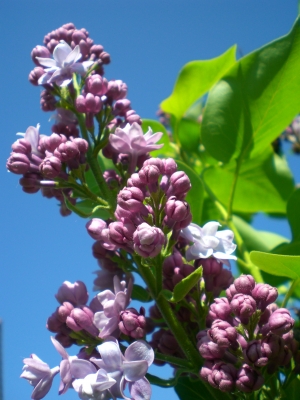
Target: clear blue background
149	41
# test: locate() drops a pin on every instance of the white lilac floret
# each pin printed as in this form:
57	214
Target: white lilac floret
64	63
207	241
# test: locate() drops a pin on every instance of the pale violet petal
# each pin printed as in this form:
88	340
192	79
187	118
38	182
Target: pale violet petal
110	327
61	350
111	355
154	138
61	52
46	62
224	256
81	368
105	296
226	234
210	228
140	390
135	370
100	320
139	350
120	144
72	57
209	242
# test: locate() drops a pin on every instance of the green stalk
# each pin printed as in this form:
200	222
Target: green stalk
289	293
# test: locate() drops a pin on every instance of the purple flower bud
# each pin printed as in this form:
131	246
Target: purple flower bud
40	51
223	334
121	233
80	104
21	146
95	227
132	323
244	284
243	306
280	321
35	75
75	293
223	377
231	292
50	167
121	107
93	103
64	311
148	240
131	199
210	350
54	324
105	57
169	264
211	266
30	182
81	144
96	85
64	340
182	272
248	380
206	370
116	89
121	213
264	295
176	209
67	151
47	101
157	162
219	309
51	142
170	166
222	281
255	353
179	184
18	163
149	174
112	179
82	318
135	181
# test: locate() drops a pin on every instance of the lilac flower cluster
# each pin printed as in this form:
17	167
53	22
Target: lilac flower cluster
247	332
41	159
102	377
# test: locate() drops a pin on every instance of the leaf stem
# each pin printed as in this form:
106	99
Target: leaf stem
289	293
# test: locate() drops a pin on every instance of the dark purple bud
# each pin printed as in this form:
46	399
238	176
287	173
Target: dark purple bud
64	311
98	250
210	350
179	184
51	142
112	179
40	51
121	213
170	166
149	174
30	181
18	163
75	293
167	343
133	323
231	292
105	57
182	272
35	75
243	306
64	340
248	380
244	284
280	321
67	151
177	210
81	144
116	89
219	309
255	353
82	318
206	370
266	314
21	146
223	334
96	85
131	116
95	227
53	323
121	107
211	266
169	264
148	240
264	295
95	51
223	377
157	162
131	199
47	101
50	167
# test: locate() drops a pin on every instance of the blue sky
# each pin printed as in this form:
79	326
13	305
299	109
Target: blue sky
149	41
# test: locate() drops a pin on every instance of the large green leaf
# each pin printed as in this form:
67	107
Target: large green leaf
194	80
189	135
293	214
188	389
195	196
264	184
275	264
167	150
254	102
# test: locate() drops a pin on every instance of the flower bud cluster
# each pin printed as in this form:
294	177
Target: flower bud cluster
247	332
73	313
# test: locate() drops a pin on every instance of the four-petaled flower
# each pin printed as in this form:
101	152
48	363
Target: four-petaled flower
64	64
132	141
207	241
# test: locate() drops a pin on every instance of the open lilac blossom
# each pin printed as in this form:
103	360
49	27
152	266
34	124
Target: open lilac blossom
64	64
207	241
32	135
130	368
38	375
107	321
132	141
90	383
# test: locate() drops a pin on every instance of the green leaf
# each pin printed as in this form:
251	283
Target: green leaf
256	239
188	389
189	135
194	80
167	150
293	390
277	264
140	294
184	287
290	249
293	214
195	196
254	102
264	184
90	208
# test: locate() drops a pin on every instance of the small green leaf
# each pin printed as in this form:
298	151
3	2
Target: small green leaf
194	80
184	287
167	150
254	102
90	208
140	294
276	264
293	214
195	196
